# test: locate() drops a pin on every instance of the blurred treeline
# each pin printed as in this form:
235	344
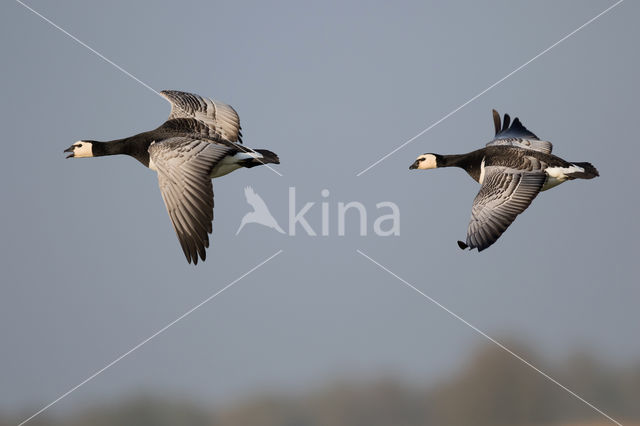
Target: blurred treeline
493	389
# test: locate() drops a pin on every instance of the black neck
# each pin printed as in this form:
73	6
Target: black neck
135	146
470	162
114	147
456	160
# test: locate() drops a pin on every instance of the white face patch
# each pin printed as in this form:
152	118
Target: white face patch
426	161
82	149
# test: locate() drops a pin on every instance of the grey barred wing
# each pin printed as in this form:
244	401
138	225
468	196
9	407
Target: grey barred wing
505	193
515	134
194	113
184	166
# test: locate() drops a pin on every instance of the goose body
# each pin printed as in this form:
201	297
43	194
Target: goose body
512	169
200	140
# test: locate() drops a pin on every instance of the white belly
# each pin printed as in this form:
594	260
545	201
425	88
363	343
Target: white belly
557	175
224	168
551	182
231	163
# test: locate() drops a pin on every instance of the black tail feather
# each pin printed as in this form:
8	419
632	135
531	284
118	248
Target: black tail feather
268	157
589	171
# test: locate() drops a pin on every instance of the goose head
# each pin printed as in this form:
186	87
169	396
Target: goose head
424	162
80	149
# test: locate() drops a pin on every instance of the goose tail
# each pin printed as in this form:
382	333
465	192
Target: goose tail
259	157
268	156
589	171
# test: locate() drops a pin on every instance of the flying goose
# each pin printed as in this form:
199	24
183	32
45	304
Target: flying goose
200	140
512	169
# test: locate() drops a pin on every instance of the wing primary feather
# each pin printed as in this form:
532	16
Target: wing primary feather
184	166
502	197
496	121
202	115
507	121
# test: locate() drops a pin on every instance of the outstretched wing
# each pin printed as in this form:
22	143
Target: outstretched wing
191	112
184	166
505	193
516	135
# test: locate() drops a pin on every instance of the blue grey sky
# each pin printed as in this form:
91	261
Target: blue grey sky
91	266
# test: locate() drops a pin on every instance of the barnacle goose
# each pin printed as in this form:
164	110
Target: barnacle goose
512	169
200	140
